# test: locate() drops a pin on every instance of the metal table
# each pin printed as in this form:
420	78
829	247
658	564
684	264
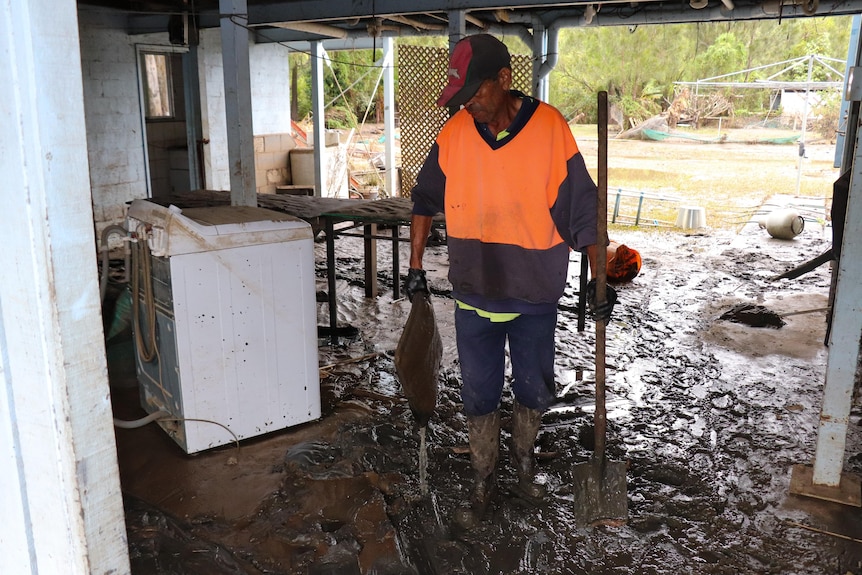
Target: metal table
325	213
392	212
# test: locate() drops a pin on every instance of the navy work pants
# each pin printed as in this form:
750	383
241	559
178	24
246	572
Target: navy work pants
481	351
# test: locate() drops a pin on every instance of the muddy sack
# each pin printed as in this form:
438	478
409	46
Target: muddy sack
418	357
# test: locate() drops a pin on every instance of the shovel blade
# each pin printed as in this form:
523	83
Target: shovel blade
599	490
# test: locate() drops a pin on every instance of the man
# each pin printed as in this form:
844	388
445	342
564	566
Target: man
517	196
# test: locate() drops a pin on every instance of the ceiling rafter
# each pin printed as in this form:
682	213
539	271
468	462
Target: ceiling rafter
309	20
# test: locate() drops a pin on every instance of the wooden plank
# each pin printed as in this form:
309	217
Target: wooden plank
847	492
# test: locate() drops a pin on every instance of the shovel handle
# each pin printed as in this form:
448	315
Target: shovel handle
600	418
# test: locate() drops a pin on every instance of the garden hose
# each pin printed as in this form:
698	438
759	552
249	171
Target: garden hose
142	263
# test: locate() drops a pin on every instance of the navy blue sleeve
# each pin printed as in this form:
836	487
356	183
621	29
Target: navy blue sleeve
575	211
430	190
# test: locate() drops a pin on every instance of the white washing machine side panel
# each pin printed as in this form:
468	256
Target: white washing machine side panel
246	340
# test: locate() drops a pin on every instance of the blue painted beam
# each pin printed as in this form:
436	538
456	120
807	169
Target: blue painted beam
237	103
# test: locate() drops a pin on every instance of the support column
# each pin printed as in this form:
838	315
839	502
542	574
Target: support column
457	27
194	137
826	480
237	101
389	116
457	30
60	495
318	115
846	134
843	341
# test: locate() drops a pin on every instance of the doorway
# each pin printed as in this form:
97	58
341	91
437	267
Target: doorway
164	119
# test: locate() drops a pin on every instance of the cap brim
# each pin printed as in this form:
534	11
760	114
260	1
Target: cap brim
454	96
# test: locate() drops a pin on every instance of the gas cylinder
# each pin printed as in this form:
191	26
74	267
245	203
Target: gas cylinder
784	224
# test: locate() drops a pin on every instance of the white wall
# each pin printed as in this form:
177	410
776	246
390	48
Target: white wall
112	103
270	89
793	103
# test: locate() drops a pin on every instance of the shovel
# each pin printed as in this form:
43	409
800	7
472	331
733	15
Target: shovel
599	485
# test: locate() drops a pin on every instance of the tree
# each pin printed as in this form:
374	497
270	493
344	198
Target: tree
727	54
300	84
638	65
349	84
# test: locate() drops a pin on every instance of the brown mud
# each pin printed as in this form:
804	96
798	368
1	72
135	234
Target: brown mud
709	416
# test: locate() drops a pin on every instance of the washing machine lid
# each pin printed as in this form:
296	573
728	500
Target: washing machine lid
175	231
221	220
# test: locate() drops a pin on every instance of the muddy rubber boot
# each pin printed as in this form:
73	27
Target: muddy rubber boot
484	432
525	428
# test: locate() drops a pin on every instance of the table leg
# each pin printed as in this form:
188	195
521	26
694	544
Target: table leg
369	231
396	272
330	275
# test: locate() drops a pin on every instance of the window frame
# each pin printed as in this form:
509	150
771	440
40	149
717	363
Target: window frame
165	81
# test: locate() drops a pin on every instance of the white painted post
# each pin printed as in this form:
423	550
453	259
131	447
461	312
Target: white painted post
59	482
237	101
457	27
389	114
845	136
843	340
318	116
804	125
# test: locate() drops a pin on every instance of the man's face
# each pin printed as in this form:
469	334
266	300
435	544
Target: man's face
489	101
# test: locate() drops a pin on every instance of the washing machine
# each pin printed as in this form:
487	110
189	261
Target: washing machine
225	324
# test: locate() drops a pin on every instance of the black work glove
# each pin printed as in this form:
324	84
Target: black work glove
601	312
415	282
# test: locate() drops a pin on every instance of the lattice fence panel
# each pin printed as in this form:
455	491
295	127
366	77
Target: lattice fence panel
522	73
421	78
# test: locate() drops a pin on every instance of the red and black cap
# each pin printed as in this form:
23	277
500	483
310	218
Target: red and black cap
475	59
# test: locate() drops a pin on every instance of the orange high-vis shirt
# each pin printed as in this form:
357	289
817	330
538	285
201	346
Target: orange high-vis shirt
505	195
514	208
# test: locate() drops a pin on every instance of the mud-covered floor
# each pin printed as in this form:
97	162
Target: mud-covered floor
708	415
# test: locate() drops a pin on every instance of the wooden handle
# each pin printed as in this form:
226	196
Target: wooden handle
602	202
600	419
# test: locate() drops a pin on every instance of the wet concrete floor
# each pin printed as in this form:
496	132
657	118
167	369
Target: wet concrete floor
709	416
